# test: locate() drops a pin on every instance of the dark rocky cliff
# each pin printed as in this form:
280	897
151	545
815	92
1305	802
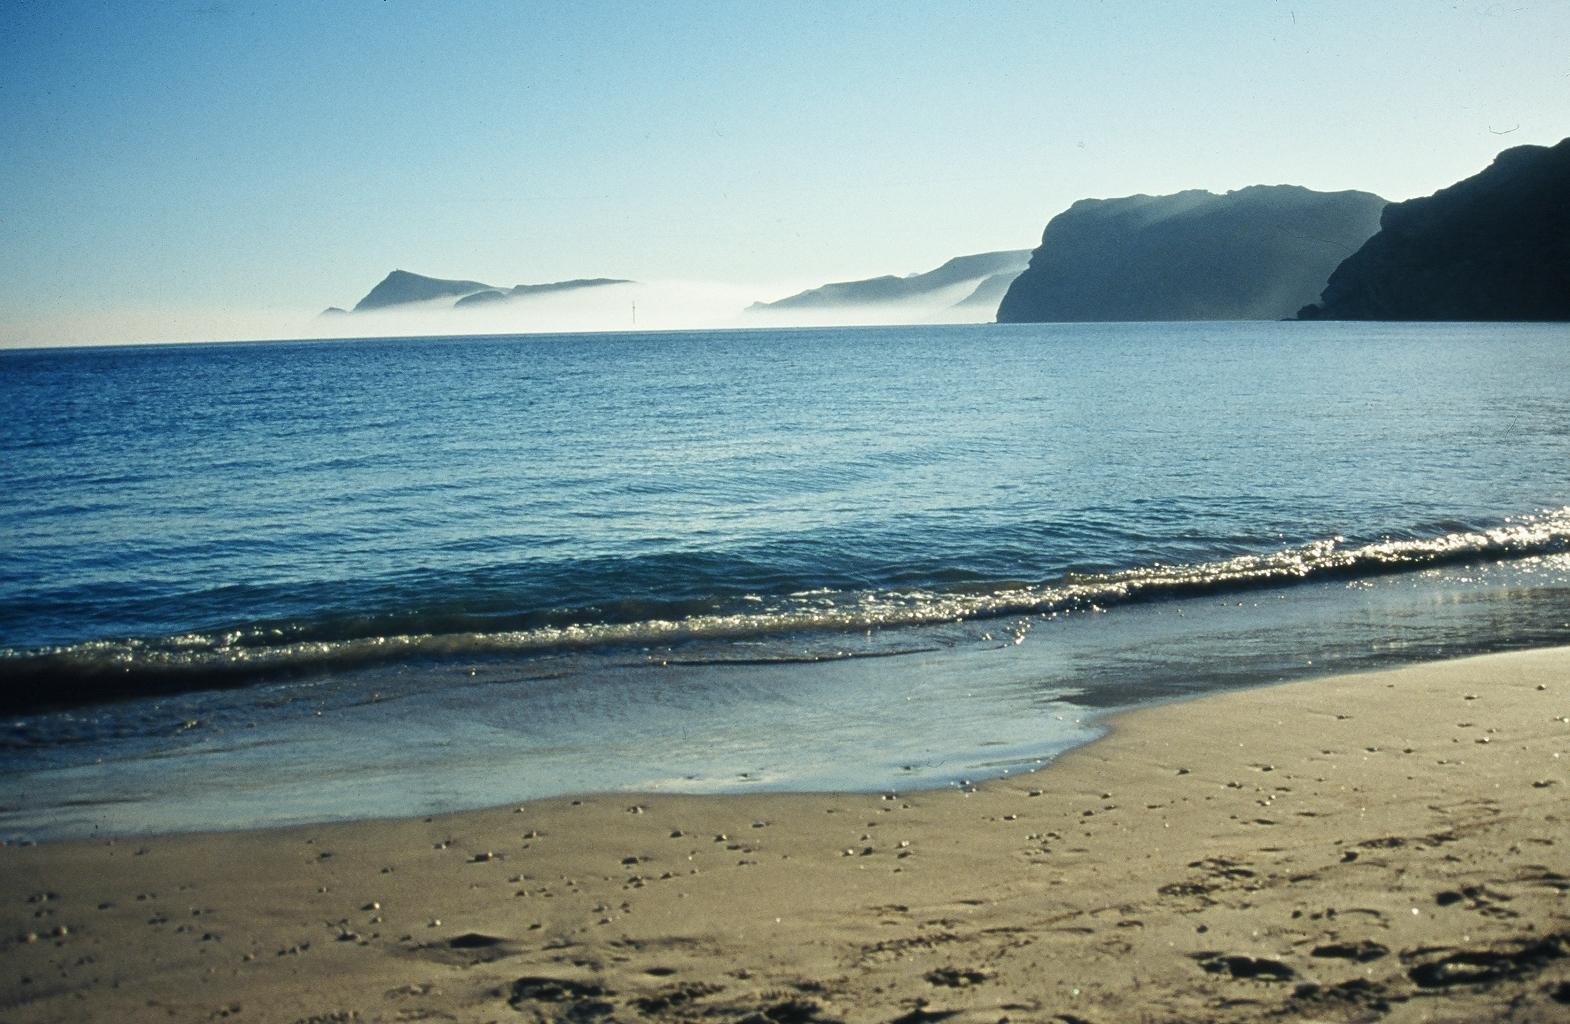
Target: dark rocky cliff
1495	246
1255	254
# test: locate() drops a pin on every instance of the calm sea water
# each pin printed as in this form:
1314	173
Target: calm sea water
276	582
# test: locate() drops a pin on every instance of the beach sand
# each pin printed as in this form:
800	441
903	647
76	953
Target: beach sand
1391	846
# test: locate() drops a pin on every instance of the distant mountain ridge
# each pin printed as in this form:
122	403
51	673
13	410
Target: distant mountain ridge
976	269
524	290
1251	254
401	287
1495	246
989	291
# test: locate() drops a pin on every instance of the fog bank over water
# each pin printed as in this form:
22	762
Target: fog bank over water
671	305
642	306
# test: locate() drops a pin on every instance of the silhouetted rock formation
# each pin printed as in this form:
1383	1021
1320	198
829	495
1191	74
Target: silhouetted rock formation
523	290
334	311
990	291
484	298
1255	254
1495	246
401	287
957	272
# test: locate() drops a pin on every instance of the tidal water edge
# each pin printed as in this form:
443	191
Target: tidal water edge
326	580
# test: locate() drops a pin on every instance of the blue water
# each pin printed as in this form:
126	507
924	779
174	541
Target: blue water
271	582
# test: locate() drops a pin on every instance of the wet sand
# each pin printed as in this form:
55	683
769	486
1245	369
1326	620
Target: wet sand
1391	847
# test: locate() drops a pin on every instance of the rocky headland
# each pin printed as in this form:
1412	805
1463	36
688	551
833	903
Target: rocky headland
401	288
1258	253
961	281
1495	246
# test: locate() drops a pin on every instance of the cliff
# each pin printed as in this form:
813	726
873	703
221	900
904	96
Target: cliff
1257	253
1495	246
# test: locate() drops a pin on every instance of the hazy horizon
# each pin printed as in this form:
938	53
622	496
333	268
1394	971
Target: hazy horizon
214	171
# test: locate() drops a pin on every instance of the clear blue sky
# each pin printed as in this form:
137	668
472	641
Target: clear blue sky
166	162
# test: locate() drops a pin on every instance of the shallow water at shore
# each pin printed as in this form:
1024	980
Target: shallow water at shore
954	706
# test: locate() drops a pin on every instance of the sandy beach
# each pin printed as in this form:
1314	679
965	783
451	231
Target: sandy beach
1390	846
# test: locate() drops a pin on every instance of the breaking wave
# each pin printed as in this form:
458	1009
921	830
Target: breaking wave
122	667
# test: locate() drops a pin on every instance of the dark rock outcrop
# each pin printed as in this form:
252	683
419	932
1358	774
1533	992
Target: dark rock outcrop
1495	246
959	271
1255	254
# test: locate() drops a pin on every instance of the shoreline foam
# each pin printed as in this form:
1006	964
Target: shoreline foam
1382	846
68	675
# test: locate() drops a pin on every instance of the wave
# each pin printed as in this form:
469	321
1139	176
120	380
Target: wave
107	669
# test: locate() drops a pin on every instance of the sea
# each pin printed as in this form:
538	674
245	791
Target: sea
255	584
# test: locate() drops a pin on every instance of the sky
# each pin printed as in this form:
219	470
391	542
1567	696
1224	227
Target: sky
181	170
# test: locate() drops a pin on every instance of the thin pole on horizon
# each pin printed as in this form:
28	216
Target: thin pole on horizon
635	314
